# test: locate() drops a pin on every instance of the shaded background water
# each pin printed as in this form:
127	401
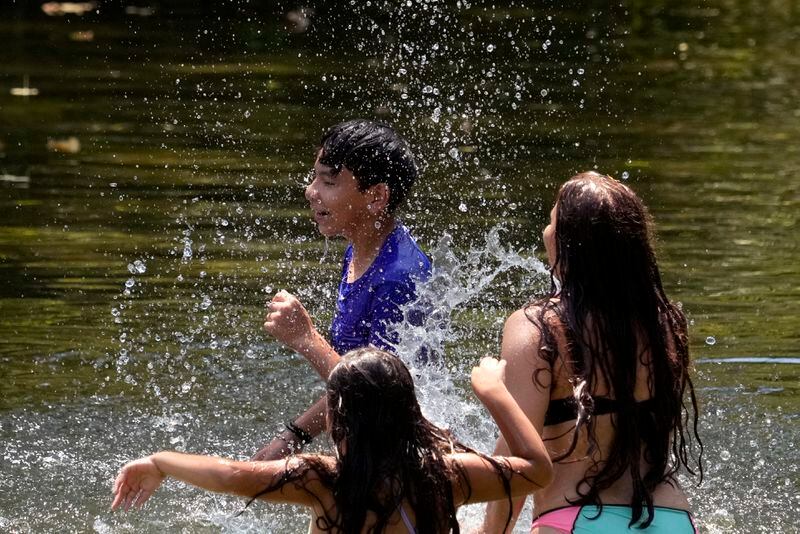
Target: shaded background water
151	200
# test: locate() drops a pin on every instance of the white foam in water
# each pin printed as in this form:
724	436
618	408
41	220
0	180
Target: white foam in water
457	281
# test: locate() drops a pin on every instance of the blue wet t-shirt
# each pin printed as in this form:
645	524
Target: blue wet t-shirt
366	308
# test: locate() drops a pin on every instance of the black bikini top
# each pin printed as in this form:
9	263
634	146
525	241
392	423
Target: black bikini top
566	409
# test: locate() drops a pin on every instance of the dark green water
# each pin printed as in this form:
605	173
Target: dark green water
196	133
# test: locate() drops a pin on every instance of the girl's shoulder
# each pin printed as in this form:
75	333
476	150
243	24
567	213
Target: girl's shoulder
314	467
535	333
317	475
536	315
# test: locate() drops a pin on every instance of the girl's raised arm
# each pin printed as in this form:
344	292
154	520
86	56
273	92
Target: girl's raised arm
138	480
531	468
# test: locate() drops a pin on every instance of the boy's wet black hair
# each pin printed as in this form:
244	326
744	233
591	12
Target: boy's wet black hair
374	153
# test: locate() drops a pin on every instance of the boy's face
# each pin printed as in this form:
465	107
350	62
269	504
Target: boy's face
338	206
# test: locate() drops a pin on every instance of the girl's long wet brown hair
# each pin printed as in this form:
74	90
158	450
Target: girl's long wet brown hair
607	309
387	451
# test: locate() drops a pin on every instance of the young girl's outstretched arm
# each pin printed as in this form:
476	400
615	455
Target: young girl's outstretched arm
138	480
531	468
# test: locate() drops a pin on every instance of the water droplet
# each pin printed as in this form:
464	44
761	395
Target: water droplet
130	283
490	48
625	175
206	302
543	92
247	114
580	71
462	207
575	83
139	266
725	455
454	153
711	340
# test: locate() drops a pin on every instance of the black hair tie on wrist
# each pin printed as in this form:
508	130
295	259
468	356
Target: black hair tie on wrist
304	437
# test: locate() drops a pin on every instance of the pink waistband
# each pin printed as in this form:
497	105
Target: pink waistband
562	519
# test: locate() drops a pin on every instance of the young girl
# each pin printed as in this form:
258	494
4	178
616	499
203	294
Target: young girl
393	471
601	368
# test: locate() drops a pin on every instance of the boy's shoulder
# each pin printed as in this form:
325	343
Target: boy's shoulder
403	257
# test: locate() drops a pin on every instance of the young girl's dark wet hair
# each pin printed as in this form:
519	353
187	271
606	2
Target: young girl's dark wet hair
385	444
388	453
607	309
375	154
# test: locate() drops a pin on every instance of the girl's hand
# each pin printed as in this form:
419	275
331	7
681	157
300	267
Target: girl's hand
489	376
288	321
135	483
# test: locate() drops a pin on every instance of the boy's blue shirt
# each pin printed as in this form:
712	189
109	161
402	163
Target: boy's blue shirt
367	308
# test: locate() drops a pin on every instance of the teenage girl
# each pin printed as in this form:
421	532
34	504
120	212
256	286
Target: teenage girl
600	366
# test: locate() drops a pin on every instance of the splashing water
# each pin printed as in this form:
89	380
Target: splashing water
185	379
458	281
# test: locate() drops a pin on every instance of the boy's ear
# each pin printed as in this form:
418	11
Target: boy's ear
379	198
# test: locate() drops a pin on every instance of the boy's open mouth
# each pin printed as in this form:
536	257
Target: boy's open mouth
318	215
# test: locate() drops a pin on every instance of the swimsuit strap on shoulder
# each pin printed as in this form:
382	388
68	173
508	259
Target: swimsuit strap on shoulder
407	520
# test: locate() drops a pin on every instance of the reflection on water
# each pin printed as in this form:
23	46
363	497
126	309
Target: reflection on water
151	200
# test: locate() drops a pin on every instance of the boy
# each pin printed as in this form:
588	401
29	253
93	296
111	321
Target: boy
362	173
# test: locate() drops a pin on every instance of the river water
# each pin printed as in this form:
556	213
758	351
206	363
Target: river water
151	202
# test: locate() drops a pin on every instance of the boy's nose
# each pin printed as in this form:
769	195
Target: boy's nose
311	192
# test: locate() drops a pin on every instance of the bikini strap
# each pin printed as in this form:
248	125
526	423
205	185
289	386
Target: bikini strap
566	409
407	520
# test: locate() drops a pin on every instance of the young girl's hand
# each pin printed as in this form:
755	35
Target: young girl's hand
489	376
135	483
288	321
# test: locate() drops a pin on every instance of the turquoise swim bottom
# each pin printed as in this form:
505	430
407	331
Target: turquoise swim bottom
614	518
